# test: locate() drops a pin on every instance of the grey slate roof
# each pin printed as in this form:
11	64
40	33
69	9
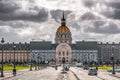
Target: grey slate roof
86	45
47	45
19	46
40	45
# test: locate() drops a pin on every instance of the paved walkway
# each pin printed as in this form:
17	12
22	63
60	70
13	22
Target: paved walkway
8	74
48	73
116	75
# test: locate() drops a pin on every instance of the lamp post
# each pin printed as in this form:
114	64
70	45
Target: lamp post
2	75
96	65
39	61
113	64
112	58
31	65
35	64
14	67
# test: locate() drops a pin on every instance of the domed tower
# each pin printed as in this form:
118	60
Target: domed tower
63	34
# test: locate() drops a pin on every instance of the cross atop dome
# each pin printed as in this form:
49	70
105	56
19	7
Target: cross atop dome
63	18
63	22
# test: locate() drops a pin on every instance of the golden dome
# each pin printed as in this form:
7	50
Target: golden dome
63	29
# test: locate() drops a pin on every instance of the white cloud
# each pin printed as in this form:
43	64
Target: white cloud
84	14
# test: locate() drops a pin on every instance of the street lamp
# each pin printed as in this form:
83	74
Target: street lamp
35	65
96	65
39	61
2	41
14	68
31	65
112	58
113	64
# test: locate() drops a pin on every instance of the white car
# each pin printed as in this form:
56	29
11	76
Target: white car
79	64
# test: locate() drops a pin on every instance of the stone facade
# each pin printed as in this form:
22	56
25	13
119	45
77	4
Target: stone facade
107	50
63	48
63	51
22	52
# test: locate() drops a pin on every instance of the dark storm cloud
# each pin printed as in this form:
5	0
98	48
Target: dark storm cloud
114	4
115	13
8	7
89	16
88	3
103	27
57	14
11	11
42	15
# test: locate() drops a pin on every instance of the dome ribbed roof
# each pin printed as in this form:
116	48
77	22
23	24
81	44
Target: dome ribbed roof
63	29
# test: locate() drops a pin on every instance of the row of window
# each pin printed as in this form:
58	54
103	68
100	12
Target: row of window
64	36
63	53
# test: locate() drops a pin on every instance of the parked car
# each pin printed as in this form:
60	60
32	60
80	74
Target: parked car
85	67
116	70
53	66
92	72
79	64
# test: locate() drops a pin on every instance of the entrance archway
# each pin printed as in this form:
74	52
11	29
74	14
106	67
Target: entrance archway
63	51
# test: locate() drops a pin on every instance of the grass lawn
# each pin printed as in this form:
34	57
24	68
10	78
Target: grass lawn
17	67
106	67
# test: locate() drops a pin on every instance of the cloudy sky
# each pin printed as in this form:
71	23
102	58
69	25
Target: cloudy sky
26	20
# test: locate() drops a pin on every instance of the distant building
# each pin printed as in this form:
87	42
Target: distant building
22	52
107	50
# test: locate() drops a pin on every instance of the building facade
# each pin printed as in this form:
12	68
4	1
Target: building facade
21	51
62	49
107	50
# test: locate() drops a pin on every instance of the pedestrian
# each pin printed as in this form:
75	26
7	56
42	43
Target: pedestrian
56	67
14	72
0	69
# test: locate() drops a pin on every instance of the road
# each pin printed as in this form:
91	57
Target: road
50	73
102	75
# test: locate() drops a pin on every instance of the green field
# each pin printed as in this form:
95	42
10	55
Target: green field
17	67
105	67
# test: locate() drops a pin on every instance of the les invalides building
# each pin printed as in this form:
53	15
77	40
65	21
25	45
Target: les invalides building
62	49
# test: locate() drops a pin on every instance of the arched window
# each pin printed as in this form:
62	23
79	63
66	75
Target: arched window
67	53
59	53
63	53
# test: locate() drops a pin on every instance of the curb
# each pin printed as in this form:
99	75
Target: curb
75	75
114	75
